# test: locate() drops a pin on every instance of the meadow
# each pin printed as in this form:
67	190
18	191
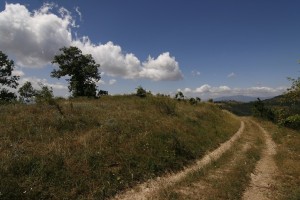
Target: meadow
95	148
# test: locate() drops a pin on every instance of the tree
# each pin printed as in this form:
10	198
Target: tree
27	92
82	69
6	78
45	94
141	92
179	96
293	93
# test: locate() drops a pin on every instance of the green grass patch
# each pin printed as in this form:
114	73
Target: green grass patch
98	148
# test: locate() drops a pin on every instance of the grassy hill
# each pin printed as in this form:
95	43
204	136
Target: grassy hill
93	149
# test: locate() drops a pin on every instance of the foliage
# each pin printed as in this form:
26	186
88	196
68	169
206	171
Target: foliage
210	100
44	95
179	96
193	101
260	110
292	121
293	93
82	69
141	92
27	92
198	99
6	78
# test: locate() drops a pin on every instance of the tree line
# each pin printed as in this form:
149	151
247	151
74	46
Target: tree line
81	72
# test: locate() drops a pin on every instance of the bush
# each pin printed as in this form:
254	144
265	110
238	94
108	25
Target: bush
292	121
141	92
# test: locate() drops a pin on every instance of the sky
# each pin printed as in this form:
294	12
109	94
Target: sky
204	48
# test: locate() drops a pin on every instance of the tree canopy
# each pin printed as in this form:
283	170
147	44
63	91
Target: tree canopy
82	70
6	78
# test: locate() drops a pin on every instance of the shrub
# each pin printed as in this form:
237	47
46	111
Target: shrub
292	121
193	101
141	92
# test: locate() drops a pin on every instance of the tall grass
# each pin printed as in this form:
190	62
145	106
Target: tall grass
98	148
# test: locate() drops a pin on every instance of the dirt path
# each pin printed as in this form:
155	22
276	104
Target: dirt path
146	190
224	178
262	184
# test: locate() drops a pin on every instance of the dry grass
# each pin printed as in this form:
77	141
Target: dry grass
287	160
92	149
225	178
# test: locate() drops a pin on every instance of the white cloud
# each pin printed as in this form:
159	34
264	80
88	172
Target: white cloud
212	92
164	67
196	73
79	13
187	90
33	38
231	75
112	81
203	89
18	73
35	81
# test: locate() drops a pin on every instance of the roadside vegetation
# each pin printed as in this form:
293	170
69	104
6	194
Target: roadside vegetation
225	178
287	160
95	148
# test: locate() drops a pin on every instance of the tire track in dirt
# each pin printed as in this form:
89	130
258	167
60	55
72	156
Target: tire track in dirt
147	189
226	178
263	185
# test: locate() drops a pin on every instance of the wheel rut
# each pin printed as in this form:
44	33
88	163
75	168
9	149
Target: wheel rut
241	168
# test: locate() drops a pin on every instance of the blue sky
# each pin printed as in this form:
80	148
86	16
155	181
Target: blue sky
203	48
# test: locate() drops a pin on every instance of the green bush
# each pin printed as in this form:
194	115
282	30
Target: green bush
292	121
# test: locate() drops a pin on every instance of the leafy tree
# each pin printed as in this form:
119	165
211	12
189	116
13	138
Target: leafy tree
293	93
6	78
179	96
45	95
141	92
198	99
193	101
82	69
27	92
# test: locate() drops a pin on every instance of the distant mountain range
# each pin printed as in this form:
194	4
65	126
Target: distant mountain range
240	98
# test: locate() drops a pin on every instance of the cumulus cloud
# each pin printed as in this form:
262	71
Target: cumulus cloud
35	83
33	38
210	91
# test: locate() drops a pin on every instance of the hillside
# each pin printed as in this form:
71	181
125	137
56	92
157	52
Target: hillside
93	149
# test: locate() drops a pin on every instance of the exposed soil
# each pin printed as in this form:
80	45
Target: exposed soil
263	185
146	190
262	182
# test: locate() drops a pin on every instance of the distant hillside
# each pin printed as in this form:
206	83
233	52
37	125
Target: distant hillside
240	98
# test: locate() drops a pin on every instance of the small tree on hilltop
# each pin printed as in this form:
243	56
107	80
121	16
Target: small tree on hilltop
141	92
179	96
6	78
82	69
